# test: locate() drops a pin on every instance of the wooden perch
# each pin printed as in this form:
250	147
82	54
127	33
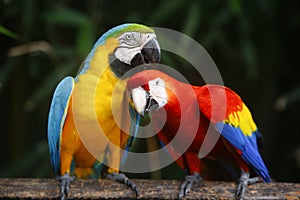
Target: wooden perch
25	188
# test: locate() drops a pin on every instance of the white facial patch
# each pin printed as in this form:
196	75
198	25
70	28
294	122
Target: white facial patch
130	44
158	91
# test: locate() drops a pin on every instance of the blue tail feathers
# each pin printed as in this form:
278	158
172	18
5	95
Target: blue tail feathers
247	145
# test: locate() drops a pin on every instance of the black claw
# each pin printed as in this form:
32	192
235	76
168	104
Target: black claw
63	196
123	179
186	186
65	181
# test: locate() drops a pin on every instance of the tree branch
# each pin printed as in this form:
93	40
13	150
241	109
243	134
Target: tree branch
25	188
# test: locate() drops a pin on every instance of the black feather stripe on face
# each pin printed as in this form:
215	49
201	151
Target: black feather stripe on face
119	68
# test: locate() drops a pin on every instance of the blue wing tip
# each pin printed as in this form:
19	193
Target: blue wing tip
264	174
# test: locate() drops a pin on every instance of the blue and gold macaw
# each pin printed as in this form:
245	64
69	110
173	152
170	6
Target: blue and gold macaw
92	104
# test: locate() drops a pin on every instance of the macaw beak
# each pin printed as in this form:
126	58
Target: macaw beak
149	54
143	102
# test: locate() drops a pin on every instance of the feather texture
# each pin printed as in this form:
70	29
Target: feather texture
56	119
219	106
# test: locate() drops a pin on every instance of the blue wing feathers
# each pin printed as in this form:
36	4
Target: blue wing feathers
247	145
56	119
134	126
135	119
252	156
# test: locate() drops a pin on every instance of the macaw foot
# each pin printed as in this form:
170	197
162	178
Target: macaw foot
65	181
123	179
243	182
186	186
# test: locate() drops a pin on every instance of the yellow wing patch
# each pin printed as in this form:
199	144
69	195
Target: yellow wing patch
242	119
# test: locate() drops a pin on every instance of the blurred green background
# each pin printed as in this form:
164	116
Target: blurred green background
255	45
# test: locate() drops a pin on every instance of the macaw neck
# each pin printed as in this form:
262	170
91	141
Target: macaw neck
182	98
97	66
98	60
172	106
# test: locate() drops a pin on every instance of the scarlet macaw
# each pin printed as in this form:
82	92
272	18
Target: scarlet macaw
90	94
152	90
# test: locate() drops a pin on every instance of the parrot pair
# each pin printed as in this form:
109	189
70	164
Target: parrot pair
188	112
81	102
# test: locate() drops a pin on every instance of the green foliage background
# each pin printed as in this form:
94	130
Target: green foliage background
255	44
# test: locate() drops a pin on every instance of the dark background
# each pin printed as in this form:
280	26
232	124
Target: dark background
255	45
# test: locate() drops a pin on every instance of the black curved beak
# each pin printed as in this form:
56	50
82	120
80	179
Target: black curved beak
151	105
149	54
151	51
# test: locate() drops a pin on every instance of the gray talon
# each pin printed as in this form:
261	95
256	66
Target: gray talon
123	179
65	181
243	182
186	186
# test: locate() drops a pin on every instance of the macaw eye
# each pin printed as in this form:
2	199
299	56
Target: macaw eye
128	36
